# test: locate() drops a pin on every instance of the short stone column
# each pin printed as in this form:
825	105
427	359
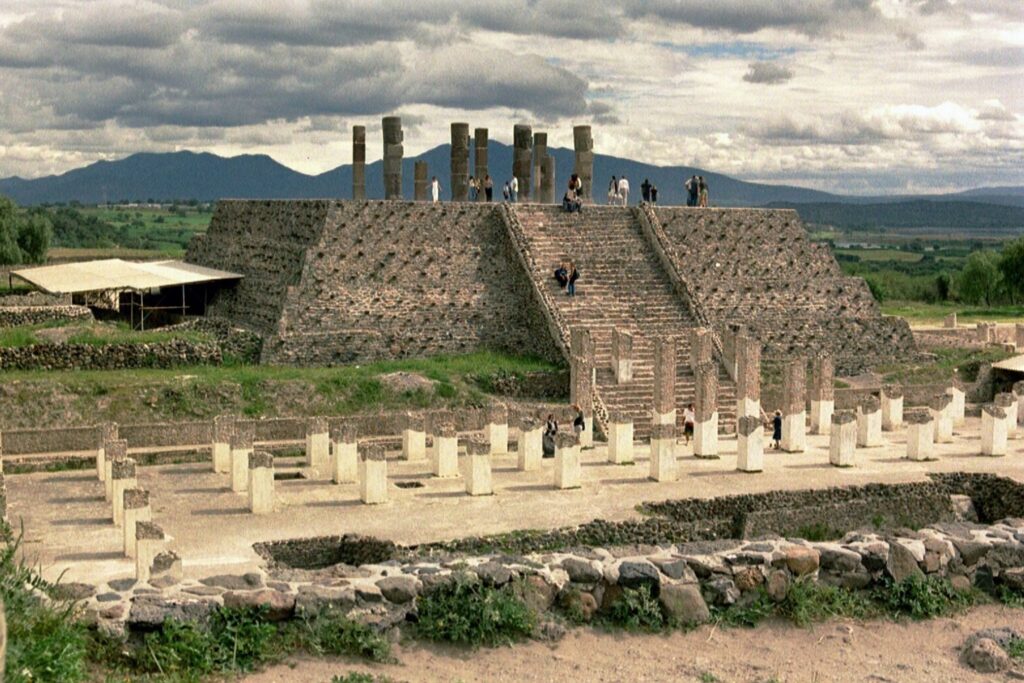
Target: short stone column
958	404
1018	394
663	453
393	152
940	411
414	437
701	347
843	438
149	542
794	406
620	439
993	430
373	475
446	451
892	407
567	461
705	426
358	163
1008	402
241	449
869	422
420	181
136	509
115	450
123	477
530	447
344	454
583	144
748	377
223	428
622	355
496	429
318	445
261	483
104	433
949	321
823	375
920	436
476	468
664	381
749	444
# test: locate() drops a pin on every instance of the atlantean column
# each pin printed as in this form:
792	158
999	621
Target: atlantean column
664	381
522	158
892	407
358	162
822	393
622	355
547	181
460	162
843	438
920	435
794	406
540	152
620	439
749	444
393	152
993	430
480	159
748	377
583	143
705	427
420	181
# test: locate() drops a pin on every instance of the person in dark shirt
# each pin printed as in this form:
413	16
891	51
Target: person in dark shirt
574	275
562	275
579	423
645	190
654	194
548	438
777	430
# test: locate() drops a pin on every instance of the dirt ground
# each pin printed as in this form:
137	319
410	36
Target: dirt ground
840	651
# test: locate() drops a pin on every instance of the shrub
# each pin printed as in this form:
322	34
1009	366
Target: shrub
919	597
807	602
636	610
748	613
473	614
331	633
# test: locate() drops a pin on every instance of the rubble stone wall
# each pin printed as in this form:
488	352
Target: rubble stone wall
18	315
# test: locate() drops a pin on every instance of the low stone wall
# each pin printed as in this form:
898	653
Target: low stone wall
16	316
963	337
34	298
169	354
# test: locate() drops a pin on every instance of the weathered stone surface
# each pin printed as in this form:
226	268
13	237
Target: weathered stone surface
581	571
399	589
493	574
676	568
684	604
901	563
777	585
151	610
721	591
312	599
538	594
280	606
637	574
748	579
234	582
985	656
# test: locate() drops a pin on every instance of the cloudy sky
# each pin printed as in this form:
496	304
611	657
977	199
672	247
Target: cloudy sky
854	96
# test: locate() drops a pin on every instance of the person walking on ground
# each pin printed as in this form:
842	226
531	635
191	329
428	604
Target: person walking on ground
777	430
703	193
624	191
692	189
574	275
613	191
488	188
514	189
472	189
654	194
435	189
689	417
579	423
645	190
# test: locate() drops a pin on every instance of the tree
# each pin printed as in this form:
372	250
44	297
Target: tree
34	236
10	252
942	286
1011	267
980	278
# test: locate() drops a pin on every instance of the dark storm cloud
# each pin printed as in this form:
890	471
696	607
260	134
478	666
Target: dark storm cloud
768	73
812	17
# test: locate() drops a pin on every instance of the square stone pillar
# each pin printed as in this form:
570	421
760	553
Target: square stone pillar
318	446
664	381
705	424
149	542
261	483
241	449
567	461
701	347
581	374
530	447
749	444
496	429
843	438
748	377
949	321
344	454
942	418
794	405
104	433
446	451
622	355
920	436
1018	394
114	451
892	407
663	453
135	502
223	428
476	468
123	477
869	423
620	439
958	405
414	437
993	430
1008	403
373	475
823	374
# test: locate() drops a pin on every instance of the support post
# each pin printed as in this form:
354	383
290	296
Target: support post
116	451
522	158
446	451
136	509
373	475
393	152
869	423
420	181
460	162
241	449
993	430
920	436
749	444
705	426
567	461
358	163
344	454
414	437
941	415
480	160
748	377
149	542
123	478
1008	403
622	355
318	446
842	438
663	453
822	393
496	431
664	381
892	407
223	427
958	403
794	406
104	433
620	439
476	468
261	483
530	447
583	144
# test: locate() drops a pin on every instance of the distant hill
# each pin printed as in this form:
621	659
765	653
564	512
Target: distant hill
910	214
205	176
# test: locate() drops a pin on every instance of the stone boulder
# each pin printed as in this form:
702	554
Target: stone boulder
684	604
985	656
280	606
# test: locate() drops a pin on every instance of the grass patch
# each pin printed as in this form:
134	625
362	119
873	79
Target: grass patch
921	313
966	363
636	610
470	613
921	597
95	334
808	602
817	532
330	633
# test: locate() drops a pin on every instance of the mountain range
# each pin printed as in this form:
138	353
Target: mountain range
205	176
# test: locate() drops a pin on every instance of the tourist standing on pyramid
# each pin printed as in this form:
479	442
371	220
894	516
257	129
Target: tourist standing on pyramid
472	189
703	192
488	188
645	190
435	189
514	189
692	190
613	191
624	190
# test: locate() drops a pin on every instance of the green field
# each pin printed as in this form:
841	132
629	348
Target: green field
881	255
92	333
921	313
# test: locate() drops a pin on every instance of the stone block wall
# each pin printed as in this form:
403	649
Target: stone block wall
17	315
169	354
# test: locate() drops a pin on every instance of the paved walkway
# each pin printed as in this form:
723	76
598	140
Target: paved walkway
67	525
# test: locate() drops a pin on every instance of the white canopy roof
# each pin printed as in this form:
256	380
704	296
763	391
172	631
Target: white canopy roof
1014	364
106	274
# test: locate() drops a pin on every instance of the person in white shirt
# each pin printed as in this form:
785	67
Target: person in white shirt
624	190
514	189
689	418
435	189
